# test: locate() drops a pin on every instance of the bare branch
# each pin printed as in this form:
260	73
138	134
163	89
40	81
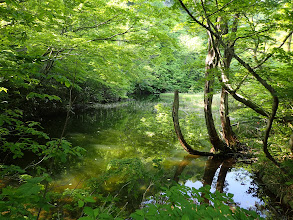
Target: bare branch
242	99
51	51
274	106
210	24
95	26
271	54
197	21
241	82
250	35
224	6
109	38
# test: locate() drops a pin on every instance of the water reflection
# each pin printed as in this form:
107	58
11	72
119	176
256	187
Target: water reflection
221	176
144	132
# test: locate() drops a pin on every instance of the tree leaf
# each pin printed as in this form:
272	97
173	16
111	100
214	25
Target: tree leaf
80	203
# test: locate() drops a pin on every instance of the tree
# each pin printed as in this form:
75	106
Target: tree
99	47
227	23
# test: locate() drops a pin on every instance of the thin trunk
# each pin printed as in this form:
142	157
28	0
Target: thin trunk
274	107
263	82
289	43
245	101
179	134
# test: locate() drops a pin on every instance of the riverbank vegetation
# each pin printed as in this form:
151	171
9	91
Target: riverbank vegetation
231	59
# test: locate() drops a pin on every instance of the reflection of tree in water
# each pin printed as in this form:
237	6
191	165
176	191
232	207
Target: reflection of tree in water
242	177
253	190
210	173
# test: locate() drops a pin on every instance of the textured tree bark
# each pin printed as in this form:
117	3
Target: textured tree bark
178	132
289	43
214	33
228	134
211	64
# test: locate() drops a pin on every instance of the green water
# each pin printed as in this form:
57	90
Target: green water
118	131
141	130
126	142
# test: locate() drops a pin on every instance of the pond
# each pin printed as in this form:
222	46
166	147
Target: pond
131	145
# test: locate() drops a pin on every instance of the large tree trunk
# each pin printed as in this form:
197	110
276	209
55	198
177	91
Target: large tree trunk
228	134
211	64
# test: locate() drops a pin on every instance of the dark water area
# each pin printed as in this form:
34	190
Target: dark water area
137	135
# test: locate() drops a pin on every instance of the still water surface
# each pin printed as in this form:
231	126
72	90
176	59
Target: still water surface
143	131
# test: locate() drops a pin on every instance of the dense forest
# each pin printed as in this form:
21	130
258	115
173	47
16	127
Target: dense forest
61	58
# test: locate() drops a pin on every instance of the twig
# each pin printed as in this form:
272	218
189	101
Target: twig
224	6
250	35
44	195
108	38
121	209
35	164
241	82
271	54
95	26
147	189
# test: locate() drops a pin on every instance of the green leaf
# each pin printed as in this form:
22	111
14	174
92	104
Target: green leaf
29	189
105	216
67	84
89	199
96	212
89	211
3	89
86	218
185	217
80	203
136	216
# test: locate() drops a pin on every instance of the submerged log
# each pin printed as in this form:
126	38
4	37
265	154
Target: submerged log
180	137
